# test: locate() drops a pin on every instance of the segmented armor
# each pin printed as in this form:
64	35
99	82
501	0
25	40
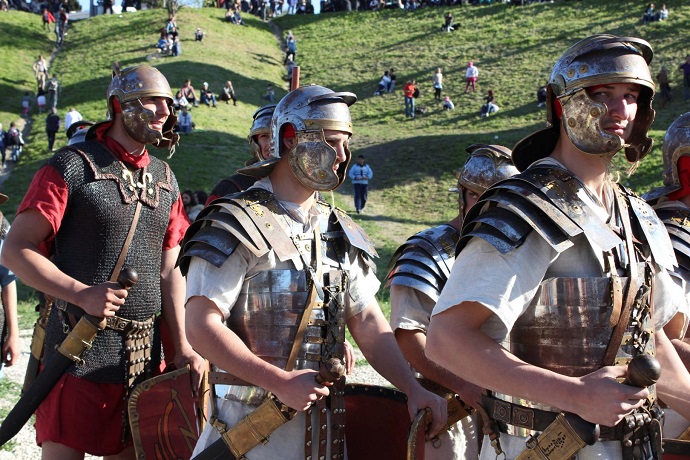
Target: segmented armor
569	323
102	200
250	218
425	260
676	218
269	308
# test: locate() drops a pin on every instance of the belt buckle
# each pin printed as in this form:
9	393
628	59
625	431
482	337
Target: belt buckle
117	323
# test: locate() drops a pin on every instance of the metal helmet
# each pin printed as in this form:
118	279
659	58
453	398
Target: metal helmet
676	145
261	125
485	166
129	86
596	60
310	110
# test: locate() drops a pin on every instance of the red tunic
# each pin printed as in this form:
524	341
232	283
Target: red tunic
79	413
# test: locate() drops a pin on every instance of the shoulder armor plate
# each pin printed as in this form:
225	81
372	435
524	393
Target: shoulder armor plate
676	218
542	198
425	260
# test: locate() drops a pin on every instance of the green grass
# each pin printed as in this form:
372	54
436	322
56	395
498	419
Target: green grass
414	161
9	395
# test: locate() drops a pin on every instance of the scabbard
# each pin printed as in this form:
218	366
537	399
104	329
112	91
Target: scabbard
37	342
79	339
560	440
252	430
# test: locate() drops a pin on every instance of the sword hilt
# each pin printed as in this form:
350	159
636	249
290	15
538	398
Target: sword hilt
330	371
643	371
128	277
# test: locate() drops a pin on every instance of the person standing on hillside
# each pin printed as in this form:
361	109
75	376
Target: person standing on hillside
360	174
562	277
297	241
471	75
72	116
91	204
54	88
3	144
437	82
10	345
409	91
52	127
417	273
15	141
685	67
662	77
40	68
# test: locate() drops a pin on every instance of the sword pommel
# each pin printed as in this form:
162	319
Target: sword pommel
128	277
330	371
643	371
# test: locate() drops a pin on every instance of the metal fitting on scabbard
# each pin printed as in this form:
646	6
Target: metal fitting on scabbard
79	339
559	441
256	427
37	342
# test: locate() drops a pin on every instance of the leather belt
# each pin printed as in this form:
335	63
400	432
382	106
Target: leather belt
515	414
223	378
534	419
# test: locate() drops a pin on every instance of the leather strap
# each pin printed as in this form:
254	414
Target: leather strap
631	288
125	246
315	277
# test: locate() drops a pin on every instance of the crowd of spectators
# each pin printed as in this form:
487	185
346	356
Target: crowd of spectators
651	14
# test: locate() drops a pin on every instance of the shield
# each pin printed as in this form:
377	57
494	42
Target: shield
165	417
378	424
675	449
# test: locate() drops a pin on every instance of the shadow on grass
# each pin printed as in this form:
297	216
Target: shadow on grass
176	71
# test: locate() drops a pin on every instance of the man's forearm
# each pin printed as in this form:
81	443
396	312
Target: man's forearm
377	342
683	349
173	291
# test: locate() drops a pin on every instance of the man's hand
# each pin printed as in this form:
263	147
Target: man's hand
603	400
470	393
419	399
101	300
197	366
11	350
299	389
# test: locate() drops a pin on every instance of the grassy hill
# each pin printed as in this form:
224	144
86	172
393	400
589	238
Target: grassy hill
413	160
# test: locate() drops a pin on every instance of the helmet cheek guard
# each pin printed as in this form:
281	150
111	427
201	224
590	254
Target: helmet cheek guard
137	123
312	161
582	122
639	145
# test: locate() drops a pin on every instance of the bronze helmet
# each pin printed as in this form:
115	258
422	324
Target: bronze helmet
129	86
310	110
485	166
596	60
261	125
